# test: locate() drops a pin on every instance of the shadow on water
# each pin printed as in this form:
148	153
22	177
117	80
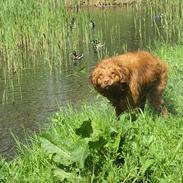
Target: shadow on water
37	92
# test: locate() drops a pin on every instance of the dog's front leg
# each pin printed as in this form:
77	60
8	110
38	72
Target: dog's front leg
134	89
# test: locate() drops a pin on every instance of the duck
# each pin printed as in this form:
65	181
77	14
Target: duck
99	45
72	23
96	44
94	41
76	57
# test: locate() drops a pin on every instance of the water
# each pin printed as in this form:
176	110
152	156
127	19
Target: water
37	93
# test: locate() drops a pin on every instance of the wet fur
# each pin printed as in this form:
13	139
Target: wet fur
128	80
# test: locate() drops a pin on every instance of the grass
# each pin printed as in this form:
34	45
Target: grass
36	34
90	145
40	33
36	28
32	28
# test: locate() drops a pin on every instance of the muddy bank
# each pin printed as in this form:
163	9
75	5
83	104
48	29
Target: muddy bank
100	3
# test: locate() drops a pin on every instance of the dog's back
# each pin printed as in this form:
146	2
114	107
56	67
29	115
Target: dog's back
135	58
142	62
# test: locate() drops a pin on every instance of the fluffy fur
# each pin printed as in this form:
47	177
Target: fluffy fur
128	80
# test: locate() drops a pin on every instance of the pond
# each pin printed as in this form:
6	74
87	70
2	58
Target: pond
39	90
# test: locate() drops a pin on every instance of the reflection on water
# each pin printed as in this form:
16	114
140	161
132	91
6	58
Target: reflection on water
38	93
42	94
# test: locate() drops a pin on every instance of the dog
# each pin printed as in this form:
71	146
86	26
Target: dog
128	80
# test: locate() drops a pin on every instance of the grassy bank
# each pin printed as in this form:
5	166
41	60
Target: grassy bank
90	145
99	3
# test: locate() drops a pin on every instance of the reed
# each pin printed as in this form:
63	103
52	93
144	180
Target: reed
46	32
42	27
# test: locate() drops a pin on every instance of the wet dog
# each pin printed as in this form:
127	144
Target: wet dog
130	79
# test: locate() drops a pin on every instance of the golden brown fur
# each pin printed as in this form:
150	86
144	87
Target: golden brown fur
128	80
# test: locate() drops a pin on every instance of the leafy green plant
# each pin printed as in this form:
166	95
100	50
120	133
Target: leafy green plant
80	146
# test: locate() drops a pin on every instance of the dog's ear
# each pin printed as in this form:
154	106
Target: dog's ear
124	75
93	78
135	86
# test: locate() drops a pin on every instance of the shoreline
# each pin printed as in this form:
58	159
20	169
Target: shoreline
100	4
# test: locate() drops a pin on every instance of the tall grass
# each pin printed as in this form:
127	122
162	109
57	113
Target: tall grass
35	32
166	18
90	145
30	28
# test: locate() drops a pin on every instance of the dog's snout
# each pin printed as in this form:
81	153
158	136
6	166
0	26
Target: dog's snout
106	81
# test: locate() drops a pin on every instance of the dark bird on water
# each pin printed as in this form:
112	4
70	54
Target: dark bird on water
97	44
72	23
76	57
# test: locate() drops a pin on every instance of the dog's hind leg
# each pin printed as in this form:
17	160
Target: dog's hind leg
155	97
157	102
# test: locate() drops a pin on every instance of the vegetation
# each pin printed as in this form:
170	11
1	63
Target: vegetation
45	28
90	145
36	33
99	3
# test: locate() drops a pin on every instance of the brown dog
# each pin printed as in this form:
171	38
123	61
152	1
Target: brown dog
128	80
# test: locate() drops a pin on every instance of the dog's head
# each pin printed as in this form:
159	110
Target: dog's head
107	75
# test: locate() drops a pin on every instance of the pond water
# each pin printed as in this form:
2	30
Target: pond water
38	92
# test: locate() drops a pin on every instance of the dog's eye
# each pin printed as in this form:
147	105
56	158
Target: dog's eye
100	75
113	74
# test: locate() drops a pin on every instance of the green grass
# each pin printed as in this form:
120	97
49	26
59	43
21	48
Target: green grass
30	29
33	28
90	145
